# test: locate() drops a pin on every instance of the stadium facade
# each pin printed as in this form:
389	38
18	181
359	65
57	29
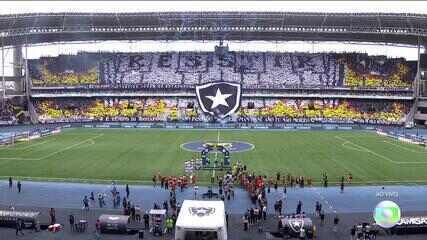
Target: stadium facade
276	87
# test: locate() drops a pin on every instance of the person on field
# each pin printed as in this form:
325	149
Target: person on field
127	191
353	232
342	184
10	182
113	187
92	196
169	225
100	200
336	221
118	199
71	220
264	212
299	207
98	229
316	209
245	222
154	181
85	203
18	226
125	203
166	206
322	218
146	220
52	215
19	185
302	234
350	178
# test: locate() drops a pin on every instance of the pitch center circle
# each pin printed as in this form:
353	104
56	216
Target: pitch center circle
232	146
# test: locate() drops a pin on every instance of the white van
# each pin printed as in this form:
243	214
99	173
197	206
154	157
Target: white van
201	220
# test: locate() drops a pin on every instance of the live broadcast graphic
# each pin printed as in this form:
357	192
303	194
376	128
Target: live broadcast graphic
387	214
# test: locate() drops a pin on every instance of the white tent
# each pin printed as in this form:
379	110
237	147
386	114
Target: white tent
201	220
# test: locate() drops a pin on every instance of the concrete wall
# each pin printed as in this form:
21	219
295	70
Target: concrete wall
17	61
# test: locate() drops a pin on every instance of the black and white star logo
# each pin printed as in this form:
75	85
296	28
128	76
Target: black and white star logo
201	211
219	99
296	224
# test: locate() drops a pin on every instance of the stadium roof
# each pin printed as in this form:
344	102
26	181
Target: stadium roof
36	28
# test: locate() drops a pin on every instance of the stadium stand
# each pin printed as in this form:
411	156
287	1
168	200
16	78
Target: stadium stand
186	110
356	77
6	114
11	113
252	69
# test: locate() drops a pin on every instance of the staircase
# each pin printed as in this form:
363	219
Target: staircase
418	116
33	114
410	116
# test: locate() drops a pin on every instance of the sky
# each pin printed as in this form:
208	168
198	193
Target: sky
11	7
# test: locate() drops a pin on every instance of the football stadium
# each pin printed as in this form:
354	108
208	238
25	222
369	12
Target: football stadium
212	124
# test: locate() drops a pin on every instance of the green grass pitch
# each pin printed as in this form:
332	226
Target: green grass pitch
135	155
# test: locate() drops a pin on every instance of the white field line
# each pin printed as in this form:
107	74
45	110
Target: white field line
360	173
379	155
6	147
33	145
406	148
26	147
53	153
344	144
17	145
71	146
77	134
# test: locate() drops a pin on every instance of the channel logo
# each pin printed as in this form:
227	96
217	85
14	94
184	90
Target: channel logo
387	214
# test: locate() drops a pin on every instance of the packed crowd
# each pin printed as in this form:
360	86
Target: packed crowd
187	110
326	111
7	113
252	69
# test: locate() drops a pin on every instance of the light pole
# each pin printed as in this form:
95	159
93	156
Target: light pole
2	74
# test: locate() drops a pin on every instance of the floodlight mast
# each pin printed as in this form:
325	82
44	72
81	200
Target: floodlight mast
3	77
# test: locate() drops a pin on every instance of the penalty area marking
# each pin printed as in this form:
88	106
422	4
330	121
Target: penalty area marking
405	148
23	145
26	147
345	145
56	152
359	172
379	155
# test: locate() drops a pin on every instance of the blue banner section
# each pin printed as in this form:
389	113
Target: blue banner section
404	136
200	125
13	137
46	128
